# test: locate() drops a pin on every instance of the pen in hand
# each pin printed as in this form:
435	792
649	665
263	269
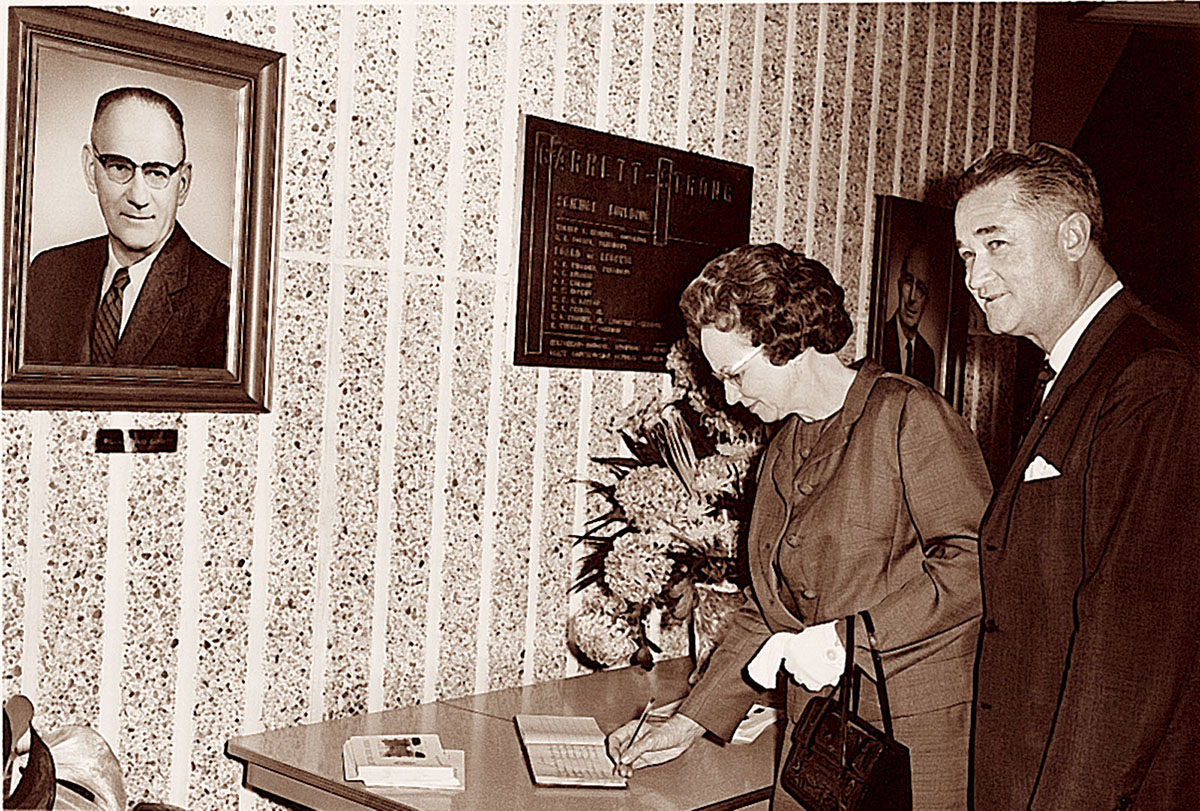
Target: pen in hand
637	729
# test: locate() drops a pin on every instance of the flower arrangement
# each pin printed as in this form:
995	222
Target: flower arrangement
672	515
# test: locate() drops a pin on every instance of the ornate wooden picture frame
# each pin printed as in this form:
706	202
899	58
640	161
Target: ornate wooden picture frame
918	281
196	333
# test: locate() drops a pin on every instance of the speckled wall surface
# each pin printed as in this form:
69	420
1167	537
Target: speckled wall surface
396	530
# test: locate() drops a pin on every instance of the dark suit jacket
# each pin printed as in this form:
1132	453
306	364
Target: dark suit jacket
922	362
878	512
181	316
1088	692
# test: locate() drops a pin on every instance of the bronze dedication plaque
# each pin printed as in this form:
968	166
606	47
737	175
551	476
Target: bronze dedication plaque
612	230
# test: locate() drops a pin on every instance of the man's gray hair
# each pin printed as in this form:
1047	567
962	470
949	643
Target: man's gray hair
1046	176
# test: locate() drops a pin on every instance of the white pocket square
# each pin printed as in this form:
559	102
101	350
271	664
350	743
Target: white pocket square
1039	468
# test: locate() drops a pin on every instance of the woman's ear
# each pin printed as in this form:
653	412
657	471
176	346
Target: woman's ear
802	358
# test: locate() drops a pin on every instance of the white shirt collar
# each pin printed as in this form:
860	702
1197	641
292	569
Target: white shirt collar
1065	345
138	272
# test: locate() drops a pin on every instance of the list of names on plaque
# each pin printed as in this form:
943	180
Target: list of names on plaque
612	229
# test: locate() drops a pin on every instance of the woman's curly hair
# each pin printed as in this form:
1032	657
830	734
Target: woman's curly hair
776	297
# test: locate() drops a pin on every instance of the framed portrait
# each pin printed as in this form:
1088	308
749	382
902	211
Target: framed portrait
141	205
919	299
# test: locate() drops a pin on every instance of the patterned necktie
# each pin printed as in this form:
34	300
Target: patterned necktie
108	320
908	358
1045	375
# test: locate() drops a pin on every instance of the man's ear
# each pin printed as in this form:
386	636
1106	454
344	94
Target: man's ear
185	182
88	160
1075	234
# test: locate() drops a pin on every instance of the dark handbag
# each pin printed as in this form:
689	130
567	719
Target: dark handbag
838	761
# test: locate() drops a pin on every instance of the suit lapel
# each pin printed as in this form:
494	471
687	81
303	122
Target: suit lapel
1084	355
1081	360
91	294
890	355
168	275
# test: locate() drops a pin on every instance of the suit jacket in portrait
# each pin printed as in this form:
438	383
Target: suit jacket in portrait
876	508
1089	671
180	319
923	367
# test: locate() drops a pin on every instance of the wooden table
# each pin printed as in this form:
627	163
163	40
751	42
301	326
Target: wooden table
303	764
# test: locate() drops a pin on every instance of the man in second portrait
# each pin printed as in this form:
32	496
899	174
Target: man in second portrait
145	294
905	351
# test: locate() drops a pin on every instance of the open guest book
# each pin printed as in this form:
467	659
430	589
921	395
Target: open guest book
567	751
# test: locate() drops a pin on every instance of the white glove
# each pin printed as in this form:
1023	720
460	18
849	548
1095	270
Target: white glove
815	658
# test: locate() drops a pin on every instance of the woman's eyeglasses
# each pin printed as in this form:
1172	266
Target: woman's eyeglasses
121	169
732	375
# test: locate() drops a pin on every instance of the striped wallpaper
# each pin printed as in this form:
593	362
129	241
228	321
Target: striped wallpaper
395	530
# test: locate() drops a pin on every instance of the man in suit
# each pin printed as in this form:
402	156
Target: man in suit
1088	677
905	351
145	294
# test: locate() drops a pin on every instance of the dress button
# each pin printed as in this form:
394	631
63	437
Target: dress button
991	626
806	489
983	705
804	452
991	547
808	594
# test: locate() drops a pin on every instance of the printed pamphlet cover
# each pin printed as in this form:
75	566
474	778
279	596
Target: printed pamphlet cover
401	759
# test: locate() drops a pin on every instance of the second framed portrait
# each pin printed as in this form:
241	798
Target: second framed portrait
918	297
141	215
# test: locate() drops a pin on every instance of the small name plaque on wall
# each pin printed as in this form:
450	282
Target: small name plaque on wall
612	230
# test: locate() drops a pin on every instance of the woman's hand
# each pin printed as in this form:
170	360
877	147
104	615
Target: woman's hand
655	744
814	657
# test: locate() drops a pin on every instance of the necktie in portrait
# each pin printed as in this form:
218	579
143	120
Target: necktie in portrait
108	320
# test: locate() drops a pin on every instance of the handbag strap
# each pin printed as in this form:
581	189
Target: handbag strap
847	678
848	681
880	684
846	685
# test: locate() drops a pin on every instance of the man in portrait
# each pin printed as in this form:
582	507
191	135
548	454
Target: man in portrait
144	294
905	351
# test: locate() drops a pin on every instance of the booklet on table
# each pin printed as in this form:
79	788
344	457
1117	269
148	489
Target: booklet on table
406	760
